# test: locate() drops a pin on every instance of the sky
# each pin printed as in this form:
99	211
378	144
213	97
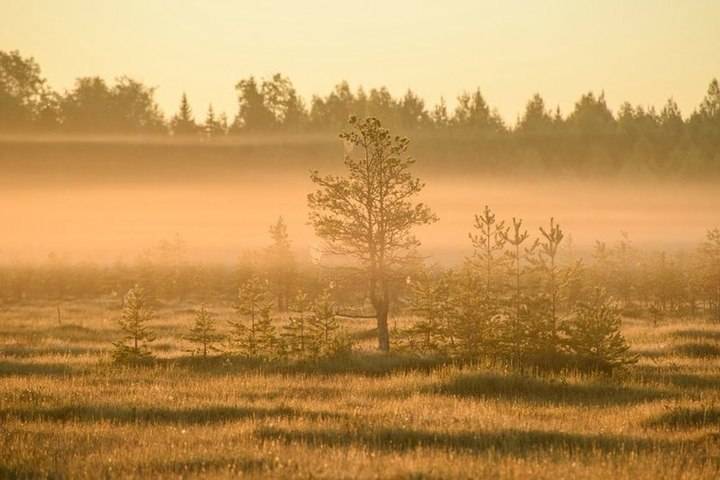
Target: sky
641	51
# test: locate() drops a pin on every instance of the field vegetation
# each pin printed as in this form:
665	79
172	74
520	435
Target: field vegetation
68	410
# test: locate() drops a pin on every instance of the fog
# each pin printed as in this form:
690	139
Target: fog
70	209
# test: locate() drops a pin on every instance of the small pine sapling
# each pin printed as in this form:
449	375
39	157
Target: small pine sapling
324	326
593	335
203	333
555	278
711	257
477	321
253	335
296	334
489	245
519	265
431	301
137	312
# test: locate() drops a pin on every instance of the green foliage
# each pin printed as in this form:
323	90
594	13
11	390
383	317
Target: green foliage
474	113
127	107
489	246
269	105
136	314
24	96
711	260
296	333
203	333
593	335
214	126
183	122
554	279
254	335
478	321
280	264
590	138
325	329
431	301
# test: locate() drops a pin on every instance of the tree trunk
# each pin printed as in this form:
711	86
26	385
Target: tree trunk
382	327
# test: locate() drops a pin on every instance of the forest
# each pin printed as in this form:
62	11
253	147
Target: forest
590	138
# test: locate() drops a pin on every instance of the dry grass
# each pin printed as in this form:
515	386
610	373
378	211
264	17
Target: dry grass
66	412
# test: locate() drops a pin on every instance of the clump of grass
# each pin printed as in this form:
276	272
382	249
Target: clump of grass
687	418
697	350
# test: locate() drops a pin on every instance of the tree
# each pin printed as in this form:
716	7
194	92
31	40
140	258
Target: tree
411	111
203	333
439	115
253	112
135	108
711	257
519	266
280	263
431	301
133	323
333	110
87	107
183	122
591	116
324	326
214	126
370	214
282	100
254	335
489	245
705	122
296	333
593	335
536	119
128	107
554	278
473	112
23	92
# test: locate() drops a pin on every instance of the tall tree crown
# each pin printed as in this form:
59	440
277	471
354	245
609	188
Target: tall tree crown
371	212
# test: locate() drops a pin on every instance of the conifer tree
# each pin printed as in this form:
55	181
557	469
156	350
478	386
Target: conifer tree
489	244
431	301
324	325
254	334
280	263
370	213
543	331
213	126
477	322
297	334
711	256
136	314
183	122
554	278
593	335
518	267
203	333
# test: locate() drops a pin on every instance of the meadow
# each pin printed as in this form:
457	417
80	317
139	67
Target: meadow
66	411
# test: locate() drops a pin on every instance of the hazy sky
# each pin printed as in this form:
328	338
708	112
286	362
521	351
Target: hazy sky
641	50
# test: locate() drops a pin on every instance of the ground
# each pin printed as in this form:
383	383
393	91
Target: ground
67	412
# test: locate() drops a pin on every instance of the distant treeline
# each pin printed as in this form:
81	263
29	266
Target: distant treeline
589	137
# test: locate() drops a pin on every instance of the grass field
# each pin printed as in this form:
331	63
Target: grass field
67	412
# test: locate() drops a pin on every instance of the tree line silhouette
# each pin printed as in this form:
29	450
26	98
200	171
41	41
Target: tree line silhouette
590	136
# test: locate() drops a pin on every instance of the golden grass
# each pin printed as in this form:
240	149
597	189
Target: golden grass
66	412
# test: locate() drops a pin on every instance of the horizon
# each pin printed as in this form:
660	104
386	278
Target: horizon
317	48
